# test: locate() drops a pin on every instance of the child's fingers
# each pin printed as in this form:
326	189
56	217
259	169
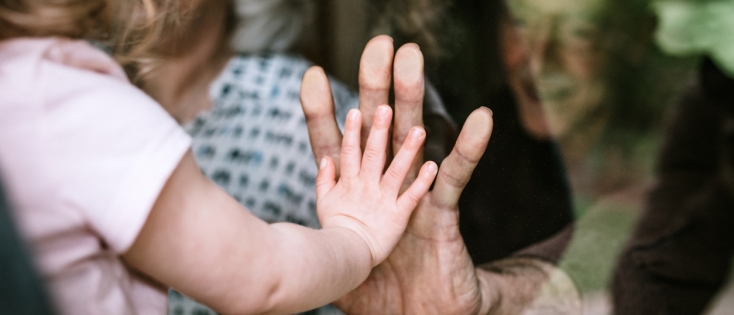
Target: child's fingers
326	179
401	164
375	152
411	197
351	153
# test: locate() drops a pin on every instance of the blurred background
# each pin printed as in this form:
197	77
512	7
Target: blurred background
611	156
607	81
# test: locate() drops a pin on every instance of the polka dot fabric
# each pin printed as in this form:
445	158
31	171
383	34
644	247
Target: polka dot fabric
254	144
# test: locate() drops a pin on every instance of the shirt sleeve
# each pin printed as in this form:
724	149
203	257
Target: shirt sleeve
114	149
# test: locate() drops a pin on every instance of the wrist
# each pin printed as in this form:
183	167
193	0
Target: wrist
517	285
354	242
355	233
490	295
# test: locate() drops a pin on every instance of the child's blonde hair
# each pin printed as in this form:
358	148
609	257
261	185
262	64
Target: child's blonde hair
127	27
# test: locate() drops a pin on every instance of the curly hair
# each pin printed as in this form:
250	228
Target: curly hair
128	27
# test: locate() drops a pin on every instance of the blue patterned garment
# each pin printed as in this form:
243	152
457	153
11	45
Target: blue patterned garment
254	144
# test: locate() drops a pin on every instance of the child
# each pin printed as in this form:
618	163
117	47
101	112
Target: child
106	192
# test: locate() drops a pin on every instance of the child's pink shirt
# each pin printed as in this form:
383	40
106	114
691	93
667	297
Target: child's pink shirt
83	157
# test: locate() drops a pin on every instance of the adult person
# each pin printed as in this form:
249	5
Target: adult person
604	85
254	104
605	88
484	62
254	107
430	271
534	204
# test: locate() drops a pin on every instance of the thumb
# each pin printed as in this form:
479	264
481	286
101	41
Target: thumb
325	180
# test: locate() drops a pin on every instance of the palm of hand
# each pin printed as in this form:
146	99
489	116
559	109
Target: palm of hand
428	272
377	214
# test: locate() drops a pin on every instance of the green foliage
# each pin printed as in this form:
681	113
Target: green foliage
695	27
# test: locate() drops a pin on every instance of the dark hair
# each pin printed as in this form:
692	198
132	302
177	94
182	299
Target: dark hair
472	68
414	21
643	81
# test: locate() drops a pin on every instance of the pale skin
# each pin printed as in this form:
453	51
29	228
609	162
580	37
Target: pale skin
429	271
186	241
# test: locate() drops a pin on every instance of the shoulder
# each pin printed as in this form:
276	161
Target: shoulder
66	55
46	71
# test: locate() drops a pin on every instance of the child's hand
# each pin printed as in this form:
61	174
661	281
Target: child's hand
365	200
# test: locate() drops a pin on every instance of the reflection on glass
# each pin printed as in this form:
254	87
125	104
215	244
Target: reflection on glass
563	37
605	89
604	86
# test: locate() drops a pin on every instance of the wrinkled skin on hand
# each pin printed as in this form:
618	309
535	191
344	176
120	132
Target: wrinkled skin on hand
429	271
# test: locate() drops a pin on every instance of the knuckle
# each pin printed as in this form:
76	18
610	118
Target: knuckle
318	114
327	149
396	171
410	94
452	179
413	198
372	155
465	156
321	181
349	150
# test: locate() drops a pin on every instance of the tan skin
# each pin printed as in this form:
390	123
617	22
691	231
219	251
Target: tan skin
429	271
431	254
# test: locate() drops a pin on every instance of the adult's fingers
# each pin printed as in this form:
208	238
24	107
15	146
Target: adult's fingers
409	91
318	107
375	77
457	168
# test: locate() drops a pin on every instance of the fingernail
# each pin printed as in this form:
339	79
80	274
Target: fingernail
353	114
383	111
417	133
432	168
491	113
323	163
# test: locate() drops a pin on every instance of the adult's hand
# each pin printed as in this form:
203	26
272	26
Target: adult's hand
430	271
